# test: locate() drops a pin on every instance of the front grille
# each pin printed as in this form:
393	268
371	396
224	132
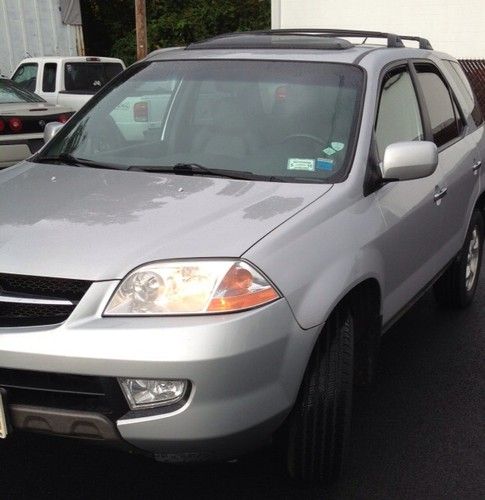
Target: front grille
16	314
44	287
64	391
35	300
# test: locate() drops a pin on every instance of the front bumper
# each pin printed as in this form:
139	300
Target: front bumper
245	370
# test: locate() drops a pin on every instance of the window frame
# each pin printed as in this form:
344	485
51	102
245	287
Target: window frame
455	102
373	179
55	77
404	64
23	65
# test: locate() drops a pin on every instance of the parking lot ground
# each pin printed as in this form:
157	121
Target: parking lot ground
419	434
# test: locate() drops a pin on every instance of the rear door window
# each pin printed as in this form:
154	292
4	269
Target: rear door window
26	76
399	118
49	77
445	120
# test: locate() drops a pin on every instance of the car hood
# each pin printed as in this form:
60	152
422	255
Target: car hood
32	108
85	223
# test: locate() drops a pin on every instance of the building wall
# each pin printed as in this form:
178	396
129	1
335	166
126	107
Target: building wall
453	26
30	28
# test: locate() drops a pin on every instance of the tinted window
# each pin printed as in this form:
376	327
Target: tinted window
89	76
445	122
398	118
49	78
26	76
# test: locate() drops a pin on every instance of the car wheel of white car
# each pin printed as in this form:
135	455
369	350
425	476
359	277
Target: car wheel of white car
457	287
320	422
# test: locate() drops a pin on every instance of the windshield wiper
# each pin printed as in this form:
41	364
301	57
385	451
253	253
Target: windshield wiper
68	159
196	169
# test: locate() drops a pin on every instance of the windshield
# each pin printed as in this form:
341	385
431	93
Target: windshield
271	118
11	94
89	76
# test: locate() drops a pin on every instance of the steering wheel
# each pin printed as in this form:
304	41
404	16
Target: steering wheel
313	138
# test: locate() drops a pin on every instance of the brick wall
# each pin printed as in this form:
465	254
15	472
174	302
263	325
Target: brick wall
475	71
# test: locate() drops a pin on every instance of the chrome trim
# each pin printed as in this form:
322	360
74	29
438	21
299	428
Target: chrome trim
440	194
15	299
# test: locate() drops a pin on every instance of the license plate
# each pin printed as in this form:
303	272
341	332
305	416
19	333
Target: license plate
3	418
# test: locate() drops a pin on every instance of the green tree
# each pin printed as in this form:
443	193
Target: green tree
109	27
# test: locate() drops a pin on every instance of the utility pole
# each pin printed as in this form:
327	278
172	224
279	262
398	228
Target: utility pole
141	29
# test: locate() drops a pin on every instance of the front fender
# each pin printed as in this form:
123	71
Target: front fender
322	253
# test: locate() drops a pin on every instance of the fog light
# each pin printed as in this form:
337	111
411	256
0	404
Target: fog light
149	393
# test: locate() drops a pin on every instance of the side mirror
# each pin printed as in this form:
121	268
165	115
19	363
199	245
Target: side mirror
404	161
51	130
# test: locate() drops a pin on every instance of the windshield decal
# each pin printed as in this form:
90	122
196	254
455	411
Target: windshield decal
325	164
307	164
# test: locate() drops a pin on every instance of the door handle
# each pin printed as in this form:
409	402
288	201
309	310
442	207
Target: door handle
440	194
477	166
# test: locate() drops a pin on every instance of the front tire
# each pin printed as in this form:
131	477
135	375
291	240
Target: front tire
457	287
319	424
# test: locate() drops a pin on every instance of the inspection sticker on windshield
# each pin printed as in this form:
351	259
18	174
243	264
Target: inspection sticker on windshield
324	164
307	164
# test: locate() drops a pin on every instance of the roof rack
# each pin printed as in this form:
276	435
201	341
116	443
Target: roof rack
423	42
393	40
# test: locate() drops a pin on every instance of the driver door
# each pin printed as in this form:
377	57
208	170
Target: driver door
411	246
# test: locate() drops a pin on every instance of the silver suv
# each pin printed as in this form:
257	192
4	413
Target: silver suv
204	258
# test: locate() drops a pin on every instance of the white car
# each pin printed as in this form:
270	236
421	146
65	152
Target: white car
23	117
68	81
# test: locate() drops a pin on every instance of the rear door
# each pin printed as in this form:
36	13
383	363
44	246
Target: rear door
457	154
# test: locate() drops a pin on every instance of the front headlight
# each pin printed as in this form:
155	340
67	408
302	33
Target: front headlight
190	287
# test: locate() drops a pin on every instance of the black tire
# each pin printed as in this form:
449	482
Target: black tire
319	425
453	289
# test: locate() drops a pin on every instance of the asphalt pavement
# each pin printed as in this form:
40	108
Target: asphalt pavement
419	434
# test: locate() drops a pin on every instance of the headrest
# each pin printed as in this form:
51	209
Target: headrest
228	115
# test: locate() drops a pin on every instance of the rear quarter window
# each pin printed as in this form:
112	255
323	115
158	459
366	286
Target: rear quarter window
89	77
464	91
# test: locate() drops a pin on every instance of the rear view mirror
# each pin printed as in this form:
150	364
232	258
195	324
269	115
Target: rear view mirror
51	130
404	161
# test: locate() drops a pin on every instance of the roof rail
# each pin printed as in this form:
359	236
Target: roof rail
423	42
393	40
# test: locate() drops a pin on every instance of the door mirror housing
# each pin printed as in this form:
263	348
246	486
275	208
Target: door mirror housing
404	161
51	130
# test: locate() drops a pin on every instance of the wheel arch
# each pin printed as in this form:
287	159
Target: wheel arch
365	302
